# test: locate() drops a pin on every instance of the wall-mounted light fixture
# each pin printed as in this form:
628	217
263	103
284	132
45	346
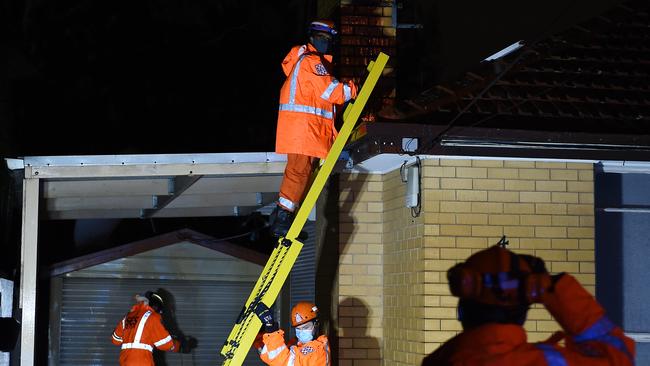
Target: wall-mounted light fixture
412	176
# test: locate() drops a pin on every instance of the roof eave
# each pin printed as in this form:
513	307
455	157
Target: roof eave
384	137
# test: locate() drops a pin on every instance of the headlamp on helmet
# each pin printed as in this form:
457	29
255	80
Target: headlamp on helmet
155	300
325	26
303	312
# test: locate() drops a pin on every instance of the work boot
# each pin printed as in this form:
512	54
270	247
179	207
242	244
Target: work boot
280	221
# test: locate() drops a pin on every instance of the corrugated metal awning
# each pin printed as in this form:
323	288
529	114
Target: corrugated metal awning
168	185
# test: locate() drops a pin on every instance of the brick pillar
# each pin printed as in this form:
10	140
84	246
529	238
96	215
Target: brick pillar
360	303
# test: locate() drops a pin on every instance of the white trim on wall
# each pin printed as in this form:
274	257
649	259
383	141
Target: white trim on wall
625	166
385	163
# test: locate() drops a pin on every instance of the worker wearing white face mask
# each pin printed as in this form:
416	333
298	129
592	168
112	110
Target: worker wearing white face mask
306	350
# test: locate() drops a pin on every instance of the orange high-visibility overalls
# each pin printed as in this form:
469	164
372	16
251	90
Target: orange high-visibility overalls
138	333
590	338
305	131
275	352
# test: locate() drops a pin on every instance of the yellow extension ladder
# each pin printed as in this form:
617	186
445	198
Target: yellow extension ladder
284	255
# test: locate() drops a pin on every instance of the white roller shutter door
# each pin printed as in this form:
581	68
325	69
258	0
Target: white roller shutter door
90	309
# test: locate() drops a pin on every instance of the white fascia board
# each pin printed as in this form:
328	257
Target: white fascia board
385	163
153	159
105	166
623	166
15	164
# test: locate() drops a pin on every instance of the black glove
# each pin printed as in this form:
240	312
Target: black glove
266	316
536	264
188	343
555	278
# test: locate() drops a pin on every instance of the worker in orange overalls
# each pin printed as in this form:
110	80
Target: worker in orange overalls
496	288
309	99
306	350
141	330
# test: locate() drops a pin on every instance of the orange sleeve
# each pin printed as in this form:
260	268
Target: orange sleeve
321	355
161	337
258	343
118	333
325	85
275	351
291	59
590	333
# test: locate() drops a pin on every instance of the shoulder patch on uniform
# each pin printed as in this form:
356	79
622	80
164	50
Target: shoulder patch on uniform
321	70
306	350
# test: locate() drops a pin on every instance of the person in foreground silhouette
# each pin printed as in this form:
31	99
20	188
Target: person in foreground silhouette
496	288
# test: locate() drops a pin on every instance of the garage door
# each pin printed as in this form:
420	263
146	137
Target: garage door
90	309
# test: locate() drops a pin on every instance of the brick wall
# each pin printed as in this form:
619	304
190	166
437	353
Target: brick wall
404	258
394	301
545	209
360	302
366	30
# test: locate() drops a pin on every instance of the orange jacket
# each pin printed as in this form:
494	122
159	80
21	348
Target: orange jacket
308	102
138	333
591	339
275	352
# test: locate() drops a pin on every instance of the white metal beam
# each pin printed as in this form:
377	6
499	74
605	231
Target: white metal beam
28	270
152	170
99	203
105	187
256	183
178	186
223	199
166	212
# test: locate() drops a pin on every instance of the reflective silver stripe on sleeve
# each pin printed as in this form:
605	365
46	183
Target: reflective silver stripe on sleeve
306	109
330	88
273	354
137	346
163	341
123	325
116	337
287	203
143	321
262	350
294	81
292	356
347	92
327	353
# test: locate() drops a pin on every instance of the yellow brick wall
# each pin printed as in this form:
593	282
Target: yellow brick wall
360	301
404	258
545	209
394	303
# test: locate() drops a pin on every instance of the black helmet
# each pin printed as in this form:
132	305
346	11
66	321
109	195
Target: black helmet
155	300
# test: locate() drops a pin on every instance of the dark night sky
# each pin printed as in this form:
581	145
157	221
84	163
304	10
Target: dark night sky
96	77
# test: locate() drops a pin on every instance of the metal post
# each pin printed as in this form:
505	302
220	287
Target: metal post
28	270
